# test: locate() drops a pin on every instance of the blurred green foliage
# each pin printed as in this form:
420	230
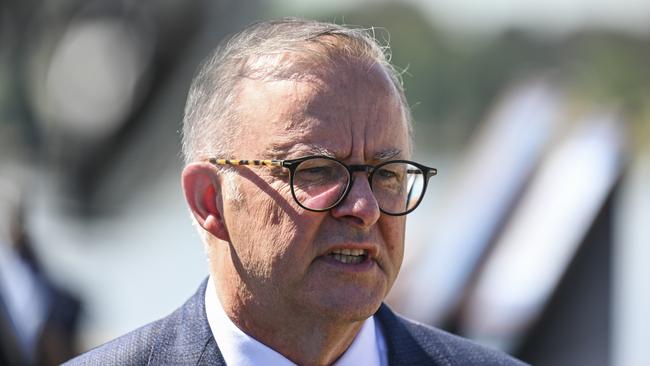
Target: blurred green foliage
452	82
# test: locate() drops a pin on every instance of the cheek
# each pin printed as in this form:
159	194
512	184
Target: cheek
277	232
393	230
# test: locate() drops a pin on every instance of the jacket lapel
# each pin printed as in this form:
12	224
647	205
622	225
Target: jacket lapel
186	338
404	347
211	355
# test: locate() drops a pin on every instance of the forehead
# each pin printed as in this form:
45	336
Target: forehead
351	110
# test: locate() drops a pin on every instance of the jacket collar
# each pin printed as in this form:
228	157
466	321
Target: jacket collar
405	347
192	342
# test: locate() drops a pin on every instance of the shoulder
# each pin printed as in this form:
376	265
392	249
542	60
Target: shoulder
134	348
413	343
183	337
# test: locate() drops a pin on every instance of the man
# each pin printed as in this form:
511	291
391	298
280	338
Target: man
305	241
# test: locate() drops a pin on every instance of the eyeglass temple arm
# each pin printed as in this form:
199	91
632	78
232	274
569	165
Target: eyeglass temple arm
430	173
245	162
215	161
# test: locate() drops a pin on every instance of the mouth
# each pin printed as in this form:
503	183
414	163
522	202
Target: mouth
349	256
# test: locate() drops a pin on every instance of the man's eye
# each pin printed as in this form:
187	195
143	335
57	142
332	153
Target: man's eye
316	172
387	174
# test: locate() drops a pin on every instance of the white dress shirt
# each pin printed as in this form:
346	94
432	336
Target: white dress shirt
240	349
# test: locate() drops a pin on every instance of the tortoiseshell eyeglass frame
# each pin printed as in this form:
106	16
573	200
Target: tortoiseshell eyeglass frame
292	164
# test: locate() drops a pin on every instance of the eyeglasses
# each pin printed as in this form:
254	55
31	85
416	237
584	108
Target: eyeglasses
320	183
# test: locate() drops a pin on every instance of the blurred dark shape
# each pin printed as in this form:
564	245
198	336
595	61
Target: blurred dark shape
38	319
575	327
91	87
105	63
539	243
85	72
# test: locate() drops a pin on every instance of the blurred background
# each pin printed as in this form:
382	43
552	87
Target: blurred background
534	238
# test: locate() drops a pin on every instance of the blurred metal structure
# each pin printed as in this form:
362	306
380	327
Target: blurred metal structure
501	159
631	262
537	178
547	227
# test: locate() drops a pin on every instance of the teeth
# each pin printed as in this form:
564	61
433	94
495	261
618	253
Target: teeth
346	251
349	255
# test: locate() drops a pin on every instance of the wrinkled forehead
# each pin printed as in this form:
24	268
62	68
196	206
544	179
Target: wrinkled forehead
327	109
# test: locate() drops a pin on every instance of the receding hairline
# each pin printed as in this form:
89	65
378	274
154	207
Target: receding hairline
316	57
319	83
299	47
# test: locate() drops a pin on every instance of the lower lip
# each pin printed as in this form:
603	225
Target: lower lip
364	266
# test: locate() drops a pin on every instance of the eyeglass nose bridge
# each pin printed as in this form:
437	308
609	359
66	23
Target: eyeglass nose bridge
368	169
360	168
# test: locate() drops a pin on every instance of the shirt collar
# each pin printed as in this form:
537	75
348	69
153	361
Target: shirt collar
238	348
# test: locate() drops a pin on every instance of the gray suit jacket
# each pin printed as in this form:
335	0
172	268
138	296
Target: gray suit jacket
184	338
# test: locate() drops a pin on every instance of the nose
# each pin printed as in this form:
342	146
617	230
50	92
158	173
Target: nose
360	205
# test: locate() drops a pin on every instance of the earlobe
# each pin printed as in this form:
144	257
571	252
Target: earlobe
202	188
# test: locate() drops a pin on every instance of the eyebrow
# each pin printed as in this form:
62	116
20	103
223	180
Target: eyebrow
279	152
386	155
318	150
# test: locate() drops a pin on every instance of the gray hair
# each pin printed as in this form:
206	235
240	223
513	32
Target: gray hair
210	118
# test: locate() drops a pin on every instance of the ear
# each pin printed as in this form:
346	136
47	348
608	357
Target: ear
202	188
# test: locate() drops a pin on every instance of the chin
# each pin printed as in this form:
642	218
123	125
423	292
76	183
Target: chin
351	308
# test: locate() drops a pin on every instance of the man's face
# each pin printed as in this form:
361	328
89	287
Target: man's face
282	252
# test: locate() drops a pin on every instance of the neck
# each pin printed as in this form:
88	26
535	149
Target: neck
308	342
298	335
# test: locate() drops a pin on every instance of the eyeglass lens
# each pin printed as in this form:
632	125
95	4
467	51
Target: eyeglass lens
320	183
